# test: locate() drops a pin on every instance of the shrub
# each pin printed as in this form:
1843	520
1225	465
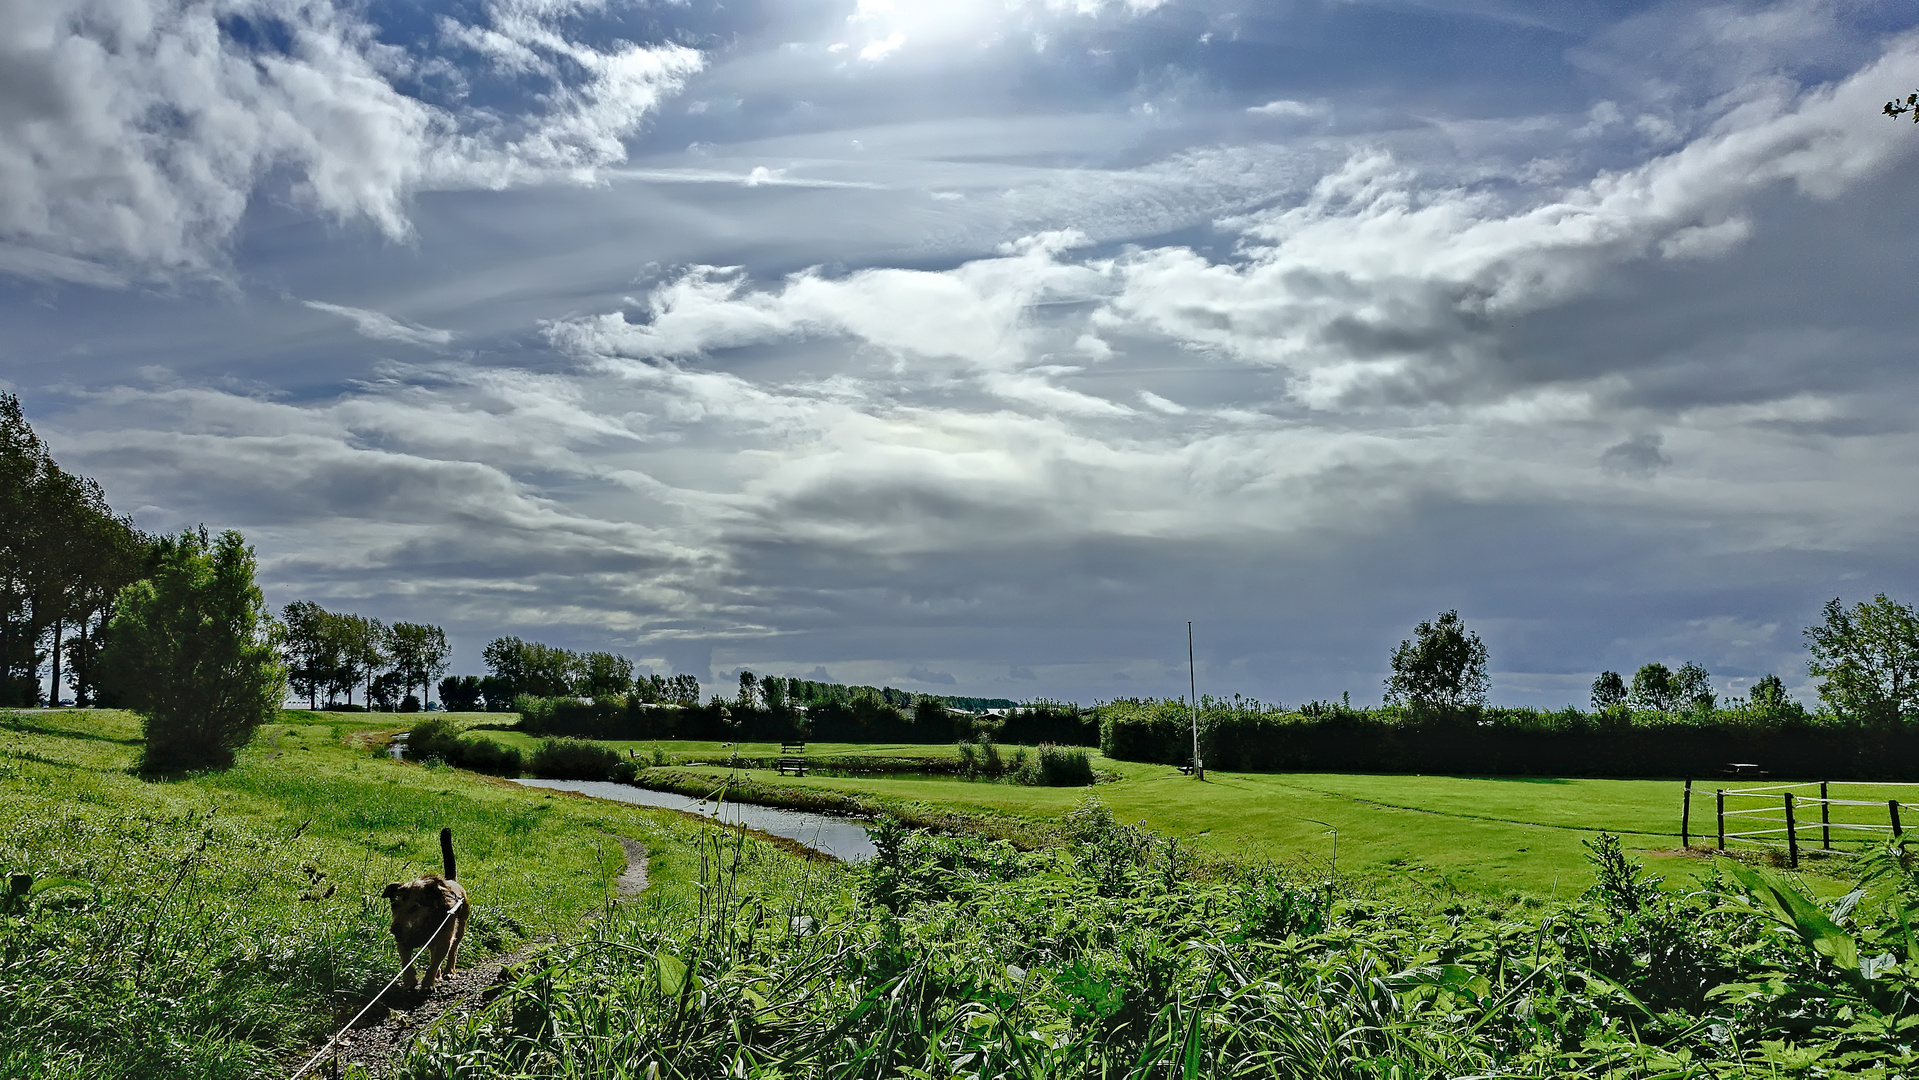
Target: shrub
574	759
1059	766
441	739
190	652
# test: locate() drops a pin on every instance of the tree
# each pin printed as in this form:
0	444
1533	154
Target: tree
604	675
64	556
682	690
749	691
419	654
528	667
303	645
1868	658
191	650
1692	687
1609	690
1768	699
1441	671
460	693
1653	688
773	690
1895	110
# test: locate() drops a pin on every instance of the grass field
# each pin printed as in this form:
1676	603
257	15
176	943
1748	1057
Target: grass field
218	922
1475	835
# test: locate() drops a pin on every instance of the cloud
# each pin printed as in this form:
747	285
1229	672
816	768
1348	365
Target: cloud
135	134
1285	108
1379	289
383	327
1639	456
936	678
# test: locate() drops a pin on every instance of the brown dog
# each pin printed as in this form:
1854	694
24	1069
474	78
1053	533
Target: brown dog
420	910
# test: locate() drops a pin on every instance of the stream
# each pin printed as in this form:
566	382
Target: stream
841	837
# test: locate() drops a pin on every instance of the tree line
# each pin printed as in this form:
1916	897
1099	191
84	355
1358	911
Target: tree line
64	557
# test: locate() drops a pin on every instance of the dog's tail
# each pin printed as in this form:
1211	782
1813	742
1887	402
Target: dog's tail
446	852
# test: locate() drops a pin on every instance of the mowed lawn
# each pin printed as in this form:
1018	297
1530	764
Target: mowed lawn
1471	835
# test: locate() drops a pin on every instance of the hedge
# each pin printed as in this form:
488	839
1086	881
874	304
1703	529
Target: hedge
1505	742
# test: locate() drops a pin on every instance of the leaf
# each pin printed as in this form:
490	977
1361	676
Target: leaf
48	884
1454	977
672	973
1776	897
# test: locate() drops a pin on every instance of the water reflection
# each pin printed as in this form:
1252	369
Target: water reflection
842	838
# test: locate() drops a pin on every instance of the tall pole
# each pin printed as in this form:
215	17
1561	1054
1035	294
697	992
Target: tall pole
1685	818
1192	675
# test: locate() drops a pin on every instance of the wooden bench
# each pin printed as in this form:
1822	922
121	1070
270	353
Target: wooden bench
793	759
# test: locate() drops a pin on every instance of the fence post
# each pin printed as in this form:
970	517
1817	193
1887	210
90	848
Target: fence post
1721	796
1892	806
1825	818
1792	836
1685	819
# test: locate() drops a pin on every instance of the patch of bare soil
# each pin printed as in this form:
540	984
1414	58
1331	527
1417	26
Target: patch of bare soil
382	1036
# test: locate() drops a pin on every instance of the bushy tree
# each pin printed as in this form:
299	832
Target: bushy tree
191	650
529	667
1692	688
460	693
1768	699
1609	690
749	698
1441	671
682	690
1653	688
1868	659
604	676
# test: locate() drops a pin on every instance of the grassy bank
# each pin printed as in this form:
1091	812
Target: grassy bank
214	925
1109	957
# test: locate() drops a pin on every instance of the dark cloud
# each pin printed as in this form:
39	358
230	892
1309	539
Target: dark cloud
1638	456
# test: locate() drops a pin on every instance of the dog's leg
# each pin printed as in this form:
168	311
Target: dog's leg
459	935
407	977
435	956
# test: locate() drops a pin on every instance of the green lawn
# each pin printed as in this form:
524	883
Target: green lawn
1482	836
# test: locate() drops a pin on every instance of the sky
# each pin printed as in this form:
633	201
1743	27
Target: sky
975	347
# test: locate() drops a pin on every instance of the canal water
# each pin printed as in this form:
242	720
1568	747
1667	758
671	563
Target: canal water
842	838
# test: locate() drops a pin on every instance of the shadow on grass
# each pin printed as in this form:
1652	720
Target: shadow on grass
21	723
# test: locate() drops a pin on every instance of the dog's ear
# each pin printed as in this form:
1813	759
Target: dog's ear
392	890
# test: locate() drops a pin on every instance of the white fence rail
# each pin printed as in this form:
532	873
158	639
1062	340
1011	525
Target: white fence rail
1829	816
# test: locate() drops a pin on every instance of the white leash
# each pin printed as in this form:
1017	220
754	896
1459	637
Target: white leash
404	968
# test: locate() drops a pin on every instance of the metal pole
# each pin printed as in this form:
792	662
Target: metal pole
1721	795
1792	836
1893	806
1192	675
1825	818
1685	818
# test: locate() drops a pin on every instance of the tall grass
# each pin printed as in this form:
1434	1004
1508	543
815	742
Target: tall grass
1115	956
216	925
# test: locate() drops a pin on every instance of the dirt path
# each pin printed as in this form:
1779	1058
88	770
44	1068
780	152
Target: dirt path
389	1028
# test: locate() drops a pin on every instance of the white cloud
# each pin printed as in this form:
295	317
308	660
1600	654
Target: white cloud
375	325
133	133
1286	108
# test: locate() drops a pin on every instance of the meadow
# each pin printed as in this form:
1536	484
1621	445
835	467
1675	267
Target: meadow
218	924
221	924
1444	835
